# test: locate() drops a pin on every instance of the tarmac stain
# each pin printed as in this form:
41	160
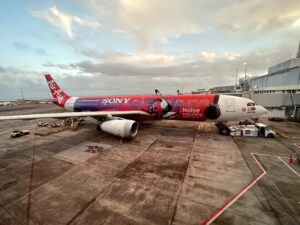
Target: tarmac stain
8	184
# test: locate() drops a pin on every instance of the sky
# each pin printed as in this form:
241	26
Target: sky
100	47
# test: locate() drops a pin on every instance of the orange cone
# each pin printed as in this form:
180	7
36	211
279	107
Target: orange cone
291	159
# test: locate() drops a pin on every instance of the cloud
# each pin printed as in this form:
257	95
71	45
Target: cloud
152	22
2	69
13	79
21	46
296	23
159	66
157	20
146	21
60	66
63	21
119	63
139	58
259	16
204	69
40	51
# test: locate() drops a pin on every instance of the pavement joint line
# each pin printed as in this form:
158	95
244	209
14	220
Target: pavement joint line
200	203
294	171
234	198
284	198
183	178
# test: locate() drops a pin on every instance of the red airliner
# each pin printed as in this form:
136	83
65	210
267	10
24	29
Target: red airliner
118	115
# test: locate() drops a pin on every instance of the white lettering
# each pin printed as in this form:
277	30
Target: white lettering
52	85
126	100
60	96
115	100
190	110
112	100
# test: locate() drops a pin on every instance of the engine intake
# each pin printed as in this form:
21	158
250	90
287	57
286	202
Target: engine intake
122	128
212	112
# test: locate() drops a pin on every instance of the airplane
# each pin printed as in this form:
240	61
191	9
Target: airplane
119	115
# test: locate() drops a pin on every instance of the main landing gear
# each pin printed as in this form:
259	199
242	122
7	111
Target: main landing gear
98	127
223	128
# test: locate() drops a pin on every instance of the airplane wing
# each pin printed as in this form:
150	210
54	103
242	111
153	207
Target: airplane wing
96	114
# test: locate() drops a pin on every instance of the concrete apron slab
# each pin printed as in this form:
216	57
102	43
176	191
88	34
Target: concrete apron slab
216	172
146	192
78	154
64	198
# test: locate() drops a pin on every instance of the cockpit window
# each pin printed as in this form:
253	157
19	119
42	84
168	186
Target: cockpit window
250	104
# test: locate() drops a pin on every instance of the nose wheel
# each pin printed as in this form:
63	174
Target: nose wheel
223	129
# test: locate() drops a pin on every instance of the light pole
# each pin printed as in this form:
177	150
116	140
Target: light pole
22	93
236	75
245	64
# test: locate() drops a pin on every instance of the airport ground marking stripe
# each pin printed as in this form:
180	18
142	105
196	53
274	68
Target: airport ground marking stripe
295	172
260	166
234	198
276	156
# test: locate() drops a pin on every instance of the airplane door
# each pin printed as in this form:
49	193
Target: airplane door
230	106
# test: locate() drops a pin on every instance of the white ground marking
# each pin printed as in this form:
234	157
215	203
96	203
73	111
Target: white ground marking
294	171
297	145
276	156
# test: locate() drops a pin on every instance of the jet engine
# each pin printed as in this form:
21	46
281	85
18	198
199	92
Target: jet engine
212	112
120	127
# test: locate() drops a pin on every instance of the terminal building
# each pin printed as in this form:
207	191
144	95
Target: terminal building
227	90
279	90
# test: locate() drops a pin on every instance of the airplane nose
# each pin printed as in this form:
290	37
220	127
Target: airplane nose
261	110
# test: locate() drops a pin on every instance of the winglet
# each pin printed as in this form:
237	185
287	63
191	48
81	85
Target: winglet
56	92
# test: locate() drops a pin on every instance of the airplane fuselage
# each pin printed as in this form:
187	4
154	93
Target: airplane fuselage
193	107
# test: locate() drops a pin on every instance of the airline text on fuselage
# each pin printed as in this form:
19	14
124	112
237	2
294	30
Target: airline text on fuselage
190	110
115	100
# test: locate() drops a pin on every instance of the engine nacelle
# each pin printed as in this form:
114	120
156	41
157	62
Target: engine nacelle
212	112
122	128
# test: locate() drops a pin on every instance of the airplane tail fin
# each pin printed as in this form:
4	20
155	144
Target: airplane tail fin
58	94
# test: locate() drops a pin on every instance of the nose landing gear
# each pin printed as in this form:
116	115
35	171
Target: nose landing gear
223	128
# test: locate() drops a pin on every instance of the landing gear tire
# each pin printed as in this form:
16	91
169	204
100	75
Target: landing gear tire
218	124
140	127
224	130
98	127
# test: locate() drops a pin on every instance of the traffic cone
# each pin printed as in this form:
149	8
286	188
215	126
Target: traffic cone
291	158
121	141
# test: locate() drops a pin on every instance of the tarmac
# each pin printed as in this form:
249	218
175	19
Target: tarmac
173	172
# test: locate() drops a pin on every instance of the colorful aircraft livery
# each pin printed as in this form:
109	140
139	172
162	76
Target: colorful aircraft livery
188	107
181	107
56	92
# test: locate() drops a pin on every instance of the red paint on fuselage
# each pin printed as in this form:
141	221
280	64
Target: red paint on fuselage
180	107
